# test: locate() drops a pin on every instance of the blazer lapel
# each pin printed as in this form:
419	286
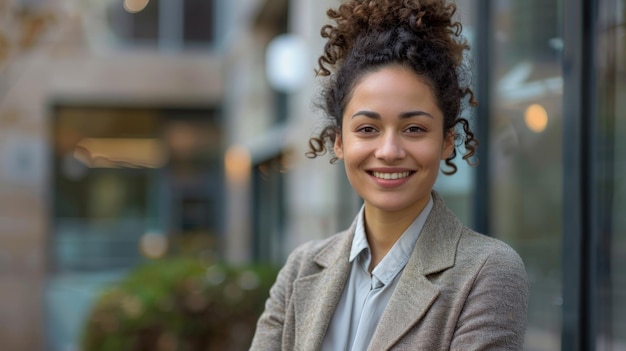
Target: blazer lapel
317	295
412	298
434	252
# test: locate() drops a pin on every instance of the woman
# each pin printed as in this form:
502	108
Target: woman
407	275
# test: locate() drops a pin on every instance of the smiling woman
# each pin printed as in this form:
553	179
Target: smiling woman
392	127
407	267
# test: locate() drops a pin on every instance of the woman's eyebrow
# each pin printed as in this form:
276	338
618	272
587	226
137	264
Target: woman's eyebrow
415	114
369	114
403	115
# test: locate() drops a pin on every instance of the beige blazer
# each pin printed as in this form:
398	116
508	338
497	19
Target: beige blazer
460	290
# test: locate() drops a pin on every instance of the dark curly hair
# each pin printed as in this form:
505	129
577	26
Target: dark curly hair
371	34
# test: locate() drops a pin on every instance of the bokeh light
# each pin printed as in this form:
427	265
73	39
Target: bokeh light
237	163
153	245
536	118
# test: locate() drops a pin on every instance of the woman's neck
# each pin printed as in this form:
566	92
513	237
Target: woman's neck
383	229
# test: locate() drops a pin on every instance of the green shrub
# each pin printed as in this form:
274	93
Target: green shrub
180	305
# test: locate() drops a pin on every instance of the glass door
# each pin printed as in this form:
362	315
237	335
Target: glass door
525	152
608	215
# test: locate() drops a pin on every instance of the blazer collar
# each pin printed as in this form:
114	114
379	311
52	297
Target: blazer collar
330	254
435	251
316	295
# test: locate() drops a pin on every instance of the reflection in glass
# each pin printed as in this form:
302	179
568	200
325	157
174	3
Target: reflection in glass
609	179
525	153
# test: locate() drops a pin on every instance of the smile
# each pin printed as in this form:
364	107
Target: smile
387	176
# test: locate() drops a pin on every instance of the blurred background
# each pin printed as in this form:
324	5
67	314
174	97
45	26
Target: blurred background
135	131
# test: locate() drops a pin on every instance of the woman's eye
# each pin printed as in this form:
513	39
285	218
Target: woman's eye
367	130
414	129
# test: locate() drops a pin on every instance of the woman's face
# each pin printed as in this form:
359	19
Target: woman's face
392	140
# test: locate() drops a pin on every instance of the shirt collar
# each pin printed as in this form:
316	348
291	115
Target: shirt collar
359	242
398	256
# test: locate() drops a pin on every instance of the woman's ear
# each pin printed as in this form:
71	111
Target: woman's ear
338	146
448	145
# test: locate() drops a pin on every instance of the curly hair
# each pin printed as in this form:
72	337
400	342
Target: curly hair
371	34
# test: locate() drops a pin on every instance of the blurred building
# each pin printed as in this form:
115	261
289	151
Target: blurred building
133	129
111	147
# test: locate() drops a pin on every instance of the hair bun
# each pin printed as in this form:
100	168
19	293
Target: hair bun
427	19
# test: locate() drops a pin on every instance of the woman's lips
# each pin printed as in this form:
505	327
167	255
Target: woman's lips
391	175
391	179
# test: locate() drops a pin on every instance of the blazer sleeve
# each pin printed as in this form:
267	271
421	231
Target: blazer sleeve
494	315
269	332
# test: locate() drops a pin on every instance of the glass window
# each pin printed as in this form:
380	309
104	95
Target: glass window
129	184
145	23
269	208
135	27
197	26
170	24
525	154
103	167
609	179
123	172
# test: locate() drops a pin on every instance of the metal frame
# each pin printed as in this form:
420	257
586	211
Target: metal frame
481	199
601	178
578	111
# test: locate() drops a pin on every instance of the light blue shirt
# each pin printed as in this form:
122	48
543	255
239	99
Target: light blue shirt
365	297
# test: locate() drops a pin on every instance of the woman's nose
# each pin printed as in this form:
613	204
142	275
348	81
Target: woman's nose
390	148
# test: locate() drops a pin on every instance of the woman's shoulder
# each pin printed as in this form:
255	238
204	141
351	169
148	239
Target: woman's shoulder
477	246
472	245
320	250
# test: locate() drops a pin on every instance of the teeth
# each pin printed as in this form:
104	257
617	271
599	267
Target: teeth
391	175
